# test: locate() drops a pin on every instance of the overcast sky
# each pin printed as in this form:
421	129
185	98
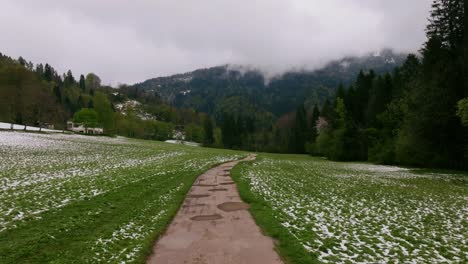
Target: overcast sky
130	41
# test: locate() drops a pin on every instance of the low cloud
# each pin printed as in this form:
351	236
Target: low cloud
130	41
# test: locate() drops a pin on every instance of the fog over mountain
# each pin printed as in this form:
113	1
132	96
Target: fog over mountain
130	41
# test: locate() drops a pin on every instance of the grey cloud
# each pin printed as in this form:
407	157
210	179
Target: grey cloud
129	41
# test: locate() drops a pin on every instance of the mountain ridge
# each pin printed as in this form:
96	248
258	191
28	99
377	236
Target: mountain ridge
210	89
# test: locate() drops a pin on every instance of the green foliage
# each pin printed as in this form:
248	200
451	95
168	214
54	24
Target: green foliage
87	117
431	134
462	111
82	83
92	82
194	133
104	112
24	98
300	129
313	124
409	117
218	138
230	129
205	90
208	131
160	130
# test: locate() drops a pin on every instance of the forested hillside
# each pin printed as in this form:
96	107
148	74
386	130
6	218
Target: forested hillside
417	115
37	95
237	89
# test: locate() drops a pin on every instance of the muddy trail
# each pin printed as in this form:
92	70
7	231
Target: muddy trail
213	226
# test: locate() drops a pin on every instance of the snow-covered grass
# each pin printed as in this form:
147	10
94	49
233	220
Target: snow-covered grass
28	128
359	213
82	199
187	143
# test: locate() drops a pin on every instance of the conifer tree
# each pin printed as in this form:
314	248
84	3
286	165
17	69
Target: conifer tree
82	83
208	128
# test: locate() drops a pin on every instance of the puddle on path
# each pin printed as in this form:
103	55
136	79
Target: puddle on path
233	206
206	217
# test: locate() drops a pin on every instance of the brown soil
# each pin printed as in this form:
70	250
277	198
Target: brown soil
233	206
214	229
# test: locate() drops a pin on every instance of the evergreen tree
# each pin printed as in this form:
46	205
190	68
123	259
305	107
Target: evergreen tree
22	61
327	110
228	130
39	70
48	73
380	96
313	122
299	135
80	102
82	83
69	80
208	128
431	133
58	93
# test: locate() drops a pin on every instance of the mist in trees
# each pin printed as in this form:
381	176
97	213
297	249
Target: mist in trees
416	115
411	116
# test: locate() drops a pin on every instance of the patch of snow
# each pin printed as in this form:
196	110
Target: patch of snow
181	142
345	64
28	128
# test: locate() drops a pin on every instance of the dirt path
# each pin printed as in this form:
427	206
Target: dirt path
214	227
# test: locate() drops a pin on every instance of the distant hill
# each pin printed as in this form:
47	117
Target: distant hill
219	89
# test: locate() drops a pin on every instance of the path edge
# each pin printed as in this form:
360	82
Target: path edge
148	252
286	246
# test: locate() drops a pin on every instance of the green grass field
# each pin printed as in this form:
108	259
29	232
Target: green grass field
79	199
329	212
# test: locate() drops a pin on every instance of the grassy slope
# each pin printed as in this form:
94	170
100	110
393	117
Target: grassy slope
373	213
120	223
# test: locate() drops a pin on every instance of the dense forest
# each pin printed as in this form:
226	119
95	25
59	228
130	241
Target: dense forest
246	91
416	115
385	108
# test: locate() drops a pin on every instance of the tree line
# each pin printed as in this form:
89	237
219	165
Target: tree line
416	115
37	95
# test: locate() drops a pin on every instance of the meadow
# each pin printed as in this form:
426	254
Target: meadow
335	212
82	199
